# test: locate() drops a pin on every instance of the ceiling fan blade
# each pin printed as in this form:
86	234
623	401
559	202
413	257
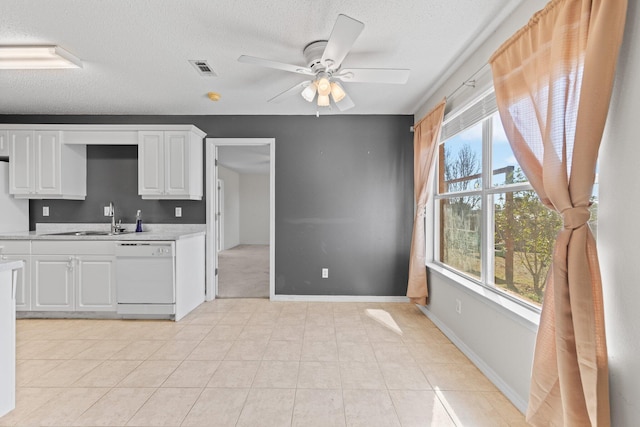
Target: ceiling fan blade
297	89
373	75
275	65
345	32
345	104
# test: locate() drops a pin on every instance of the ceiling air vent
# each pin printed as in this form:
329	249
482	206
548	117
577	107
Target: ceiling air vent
203	68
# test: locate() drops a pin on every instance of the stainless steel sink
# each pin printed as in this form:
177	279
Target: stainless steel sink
88	233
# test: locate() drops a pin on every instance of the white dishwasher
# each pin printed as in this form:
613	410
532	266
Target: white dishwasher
145	277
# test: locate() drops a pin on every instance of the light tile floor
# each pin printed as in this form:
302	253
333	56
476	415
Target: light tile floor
239	362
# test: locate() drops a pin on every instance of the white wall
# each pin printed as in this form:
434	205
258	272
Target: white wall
500	343
618	234
231	216
254	209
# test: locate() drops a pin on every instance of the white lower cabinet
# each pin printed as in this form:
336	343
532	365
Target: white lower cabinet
96	283
23	296
81	280
7	343
12	250
53	282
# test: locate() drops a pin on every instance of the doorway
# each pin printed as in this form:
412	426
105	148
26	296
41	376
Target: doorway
240	244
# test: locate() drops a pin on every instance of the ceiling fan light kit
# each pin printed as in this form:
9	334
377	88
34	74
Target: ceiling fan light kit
309	92
323	100
324	59
337	93
324	87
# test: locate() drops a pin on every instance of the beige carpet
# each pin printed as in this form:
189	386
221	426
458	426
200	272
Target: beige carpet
243	272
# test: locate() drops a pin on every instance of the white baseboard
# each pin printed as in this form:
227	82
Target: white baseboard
509	392
339	298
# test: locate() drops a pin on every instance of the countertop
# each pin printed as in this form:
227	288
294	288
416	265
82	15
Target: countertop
152	232
11	265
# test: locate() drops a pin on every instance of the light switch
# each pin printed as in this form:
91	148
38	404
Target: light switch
178	212
45	211
107	211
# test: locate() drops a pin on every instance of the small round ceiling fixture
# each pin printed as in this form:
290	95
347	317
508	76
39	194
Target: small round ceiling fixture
214	96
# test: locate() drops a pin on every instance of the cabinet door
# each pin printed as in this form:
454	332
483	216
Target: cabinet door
23	294
21	171
53	279
4	143
176	145
48	162
96	283
151	163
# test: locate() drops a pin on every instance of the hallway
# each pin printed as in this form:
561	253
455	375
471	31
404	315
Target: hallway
243	272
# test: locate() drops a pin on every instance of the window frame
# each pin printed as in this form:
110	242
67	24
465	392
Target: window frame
484	113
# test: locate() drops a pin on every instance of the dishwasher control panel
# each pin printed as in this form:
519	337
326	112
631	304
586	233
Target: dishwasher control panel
145	249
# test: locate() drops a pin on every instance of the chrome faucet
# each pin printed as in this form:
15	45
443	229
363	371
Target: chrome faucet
112	214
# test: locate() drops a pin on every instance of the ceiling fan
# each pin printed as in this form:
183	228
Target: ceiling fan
324	59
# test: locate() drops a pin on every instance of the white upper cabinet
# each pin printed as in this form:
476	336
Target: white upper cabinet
151	163
170	165
50	161
4	143
42	167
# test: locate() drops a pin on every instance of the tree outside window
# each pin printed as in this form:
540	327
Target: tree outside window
522	230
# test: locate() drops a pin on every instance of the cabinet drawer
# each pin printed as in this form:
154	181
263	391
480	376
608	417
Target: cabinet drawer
59	247
15	247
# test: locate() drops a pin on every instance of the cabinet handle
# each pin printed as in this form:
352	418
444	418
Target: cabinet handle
70	263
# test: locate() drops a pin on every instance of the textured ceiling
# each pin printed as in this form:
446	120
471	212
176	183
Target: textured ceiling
135	52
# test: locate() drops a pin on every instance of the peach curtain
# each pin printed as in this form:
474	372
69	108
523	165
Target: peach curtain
553	82
425	145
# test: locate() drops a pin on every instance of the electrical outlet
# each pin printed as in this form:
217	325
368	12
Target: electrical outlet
325	273
178	212
45	211
106	211
458	306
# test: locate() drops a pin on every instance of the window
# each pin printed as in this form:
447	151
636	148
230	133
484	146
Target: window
490	226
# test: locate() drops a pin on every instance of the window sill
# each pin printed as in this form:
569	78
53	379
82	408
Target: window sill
528	315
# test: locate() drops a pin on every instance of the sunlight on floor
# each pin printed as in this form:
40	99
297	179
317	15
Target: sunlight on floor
447	406
385	319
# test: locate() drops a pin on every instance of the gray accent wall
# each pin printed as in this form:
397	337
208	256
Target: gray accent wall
344	194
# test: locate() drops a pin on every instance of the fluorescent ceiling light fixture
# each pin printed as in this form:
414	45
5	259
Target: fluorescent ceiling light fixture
36	57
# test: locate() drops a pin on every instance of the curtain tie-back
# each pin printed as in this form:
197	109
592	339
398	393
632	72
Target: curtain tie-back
575	217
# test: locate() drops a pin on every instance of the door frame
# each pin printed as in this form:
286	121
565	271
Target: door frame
211	153
219	244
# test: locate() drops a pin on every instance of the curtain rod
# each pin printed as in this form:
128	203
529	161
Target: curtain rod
470	81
